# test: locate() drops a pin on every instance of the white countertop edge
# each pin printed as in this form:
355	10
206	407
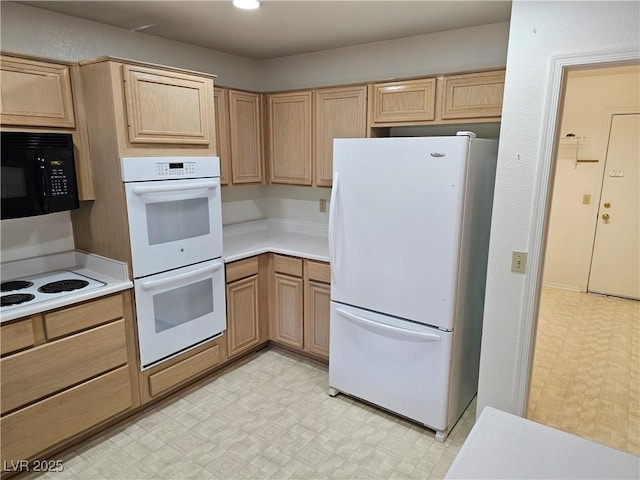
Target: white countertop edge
266	248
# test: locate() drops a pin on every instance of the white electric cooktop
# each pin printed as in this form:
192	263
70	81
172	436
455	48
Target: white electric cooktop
21	292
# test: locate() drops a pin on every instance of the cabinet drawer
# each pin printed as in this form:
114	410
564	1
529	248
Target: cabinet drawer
318	271
48	368
180	372
16	336
406	101
287	265
70	320
242	269
33	429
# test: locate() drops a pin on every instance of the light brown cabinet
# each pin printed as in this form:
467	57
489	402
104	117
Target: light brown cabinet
288	126
223	141
474	95
246	137
448	99
167	107
403	101
316	308
246	305
300	305
35	93
338	113
65	372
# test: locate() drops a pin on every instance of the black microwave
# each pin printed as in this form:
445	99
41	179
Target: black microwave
38	174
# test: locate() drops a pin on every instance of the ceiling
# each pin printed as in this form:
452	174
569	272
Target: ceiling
280	28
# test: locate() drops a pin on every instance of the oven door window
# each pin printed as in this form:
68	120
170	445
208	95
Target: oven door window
177	220
182	305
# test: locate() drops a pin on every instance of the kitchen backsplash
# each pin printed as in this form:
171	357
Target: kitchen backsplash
46	234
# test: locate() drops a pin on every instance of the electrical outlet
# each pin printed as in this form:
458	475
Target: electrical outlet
586	199
519	262
323	205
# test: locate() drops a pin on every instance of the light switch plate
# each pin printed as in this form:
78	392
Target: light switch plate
519	262
323	205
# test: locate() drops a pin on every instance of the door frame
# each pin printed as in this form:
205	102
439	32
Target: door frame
559	65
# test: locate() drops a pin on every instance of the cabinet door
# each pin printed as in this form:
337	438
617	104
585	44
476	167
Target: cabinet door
339	113
290	138
316	318
406	101
35	93
221	118
168	107
242	315
473	95
246	137
287	321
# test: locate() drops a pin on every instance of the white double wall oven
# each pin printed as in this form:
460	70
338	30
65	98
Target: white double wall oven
175	228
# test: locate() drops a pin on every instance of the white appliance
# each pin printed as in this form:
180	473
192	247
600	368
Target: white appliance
175	227
408	239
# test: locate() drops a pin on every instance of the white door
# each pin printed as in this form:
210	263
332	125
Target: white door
173	223
395	225
615	264
401	366
179	309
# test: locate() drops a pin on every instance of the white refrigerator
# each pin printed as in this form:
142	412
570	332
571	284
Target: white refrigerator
408	239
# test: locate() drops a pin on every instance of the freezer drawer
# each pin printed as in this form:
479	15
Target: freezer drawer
401	366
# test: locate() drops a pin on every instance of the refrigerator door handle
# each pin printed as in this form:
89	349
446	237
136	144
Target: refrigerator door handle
333	218
429	337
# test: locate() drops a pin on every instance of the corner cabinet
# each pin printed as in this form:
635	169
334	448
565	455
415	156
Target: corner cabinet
246	137
338	113
289	138
300	305
64	373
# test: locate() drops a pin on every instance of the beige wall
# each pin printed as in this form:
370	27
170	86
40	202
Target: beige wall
590	95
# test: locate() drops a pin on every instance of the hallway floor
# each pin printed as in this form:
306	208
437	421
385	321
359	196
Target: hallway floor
586	370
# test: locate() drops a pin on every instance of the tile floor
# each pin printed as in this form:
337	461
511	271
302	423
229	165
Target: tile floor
268	417
586	369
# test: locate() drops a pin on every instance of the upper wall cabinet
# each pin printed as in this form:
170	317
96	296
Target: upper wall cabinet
474	95
449	99
167	107
221	116
35	93
142	109
405	101
246	137
289	138
338	113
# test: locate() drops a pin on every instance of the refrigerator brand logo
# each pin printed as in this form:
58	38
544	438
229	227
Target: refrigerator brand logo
437	155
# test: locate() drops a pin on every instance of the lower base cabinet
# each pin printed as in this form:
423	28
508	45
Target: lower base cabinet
300	305
63	373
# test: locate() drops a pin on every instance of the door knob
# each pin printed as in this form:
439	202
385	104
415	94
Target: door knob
605	217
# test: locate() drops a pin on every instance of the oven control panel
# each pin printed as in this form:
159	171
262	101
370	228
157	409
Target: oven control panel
173	169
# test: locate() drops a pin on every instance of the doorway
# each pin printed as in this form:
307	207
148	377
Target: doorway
585	363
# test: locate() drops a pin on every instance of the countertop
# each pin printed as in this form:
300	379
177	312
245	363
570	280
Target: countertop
112	273
502	445
243	240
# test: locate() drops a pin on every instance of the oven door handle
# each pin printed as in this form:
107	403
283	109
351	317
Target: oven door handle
176	279
208	185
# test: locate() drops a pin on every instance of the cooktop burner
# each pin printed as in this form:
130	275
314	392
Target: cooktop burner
12	285
65	285
15	299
